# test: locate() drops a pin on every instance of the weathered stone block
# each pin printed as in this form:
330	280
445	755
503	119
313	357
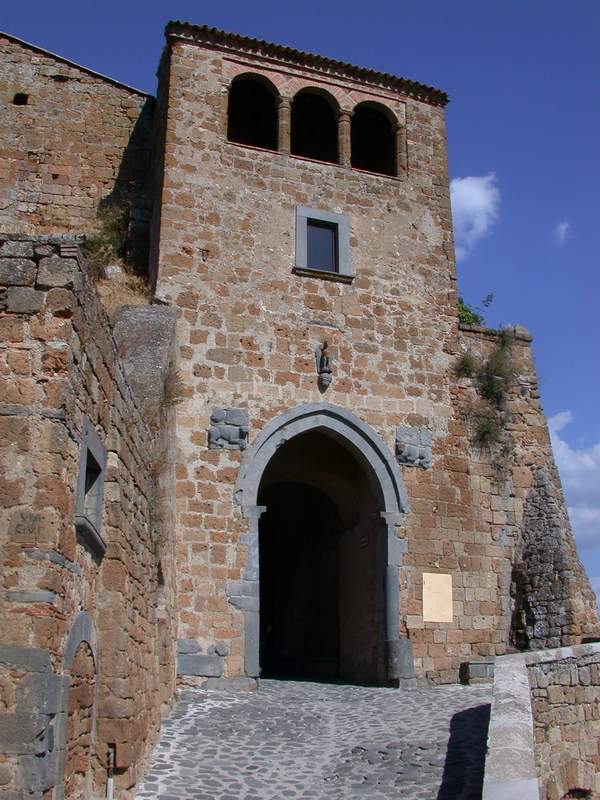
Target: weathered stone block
16	249
476	672
245	602
199	665
23	300
17	272
43	250
43	693
23	733
31	659
187	646
41	596
55	558
39	773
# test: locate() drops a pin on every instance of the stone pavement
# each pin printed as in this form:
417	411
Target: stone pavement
314	740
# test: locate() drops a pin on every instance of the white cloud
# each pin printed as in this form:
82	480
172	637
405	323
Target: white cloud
580	474
475	204
561	231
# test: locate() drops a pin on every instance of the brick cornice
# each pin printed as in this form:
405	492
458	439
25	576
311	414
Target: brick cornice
177	30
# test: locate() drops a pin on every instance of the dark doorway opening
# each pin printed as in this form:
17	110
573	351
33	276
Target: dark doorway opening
252	113
322	556
314	128
373	141
299	586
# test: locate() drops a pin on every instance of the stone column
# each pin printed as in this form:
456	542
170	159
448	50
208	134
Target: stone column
284	124
344	137
245	594
398	654
401	154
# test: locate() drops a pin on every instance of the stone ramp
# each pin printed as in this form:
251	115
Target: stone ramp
315	740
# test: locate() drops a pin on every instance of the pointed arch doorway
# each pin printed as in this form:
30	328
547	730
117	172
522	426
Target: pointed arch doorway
324	499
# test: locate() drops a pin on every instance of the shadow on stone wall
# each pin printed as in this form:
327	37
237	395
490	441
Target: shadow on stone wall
133	187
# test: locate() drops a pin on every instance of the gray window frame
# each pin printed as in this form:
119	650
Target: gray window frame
88	521
344	267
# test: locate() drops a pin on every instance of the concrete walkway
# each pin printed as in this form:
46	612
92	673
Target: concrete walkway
314	740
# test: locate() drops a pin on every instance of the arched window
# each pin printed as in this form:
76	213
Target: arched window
373	140
252	112
314	127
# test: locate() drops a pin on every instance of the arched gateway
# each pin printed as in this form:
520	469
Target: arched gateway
323	497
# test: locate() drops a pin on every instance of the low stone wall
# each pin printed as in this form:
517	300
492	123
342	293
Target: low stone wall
565	693
87	658
544	733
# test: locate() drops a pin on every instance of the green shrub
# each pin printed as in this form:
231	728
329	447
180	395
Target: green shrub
488	432
467	315
497	372
466	365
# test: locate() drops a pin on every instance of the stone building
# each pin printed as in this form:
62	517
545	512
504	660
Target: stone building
294	460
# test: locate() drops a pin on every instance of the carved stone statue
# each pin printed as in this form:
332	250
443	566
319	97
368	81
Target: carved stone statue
228	429
324	364
413	446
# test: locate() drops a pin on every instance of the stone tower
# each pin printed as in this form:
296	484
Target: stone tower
290	459
334	514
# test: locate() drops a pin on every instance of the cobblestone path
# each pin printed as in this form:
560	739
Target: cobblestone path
313	740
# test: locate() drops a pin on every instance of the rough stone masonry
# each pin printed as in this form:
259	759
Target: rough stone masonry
276	466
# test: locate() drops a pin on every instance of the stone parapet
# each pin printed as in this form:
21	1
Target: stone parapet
544	727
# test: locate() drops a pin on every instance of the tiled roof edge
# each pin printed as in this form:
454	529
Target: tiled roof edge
204	34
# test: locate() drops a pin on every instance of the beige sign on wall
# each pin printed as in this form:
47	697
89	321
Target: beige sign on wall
437	597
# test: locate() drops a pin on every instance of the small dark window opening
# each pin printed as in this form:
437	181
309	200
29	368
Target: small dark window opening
93	485
20	99
314	128
373	141
321	245
90	490
252	114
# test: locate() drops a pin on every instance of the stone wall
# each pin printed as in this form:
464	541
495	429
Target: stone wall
545	596
79	139
565	694
249	325
544	732
70	580
80	723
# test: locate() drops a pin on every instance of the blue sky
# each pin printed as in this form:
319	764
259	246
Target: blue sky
523	125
